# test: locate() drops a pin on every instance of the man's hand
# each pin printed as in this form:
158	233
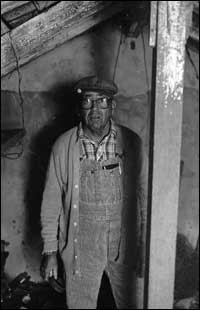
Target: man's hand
49	266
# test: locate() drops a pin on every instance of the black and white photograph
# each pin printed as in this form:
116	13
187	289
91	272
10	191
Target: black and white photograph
100	154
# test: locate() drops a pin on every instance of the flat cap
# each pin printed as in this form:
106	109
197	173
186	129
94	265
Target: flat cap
93	83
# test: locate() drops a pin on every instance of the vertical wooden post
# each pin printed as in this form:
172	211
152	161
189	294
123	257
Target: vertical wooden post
171	39
153	24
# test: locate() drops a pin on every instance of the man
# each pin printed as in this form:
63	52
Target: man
94	203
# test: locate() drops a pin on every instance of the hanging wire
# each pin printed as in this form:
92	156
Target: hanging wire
118	52
21	102
147	85
145	59
16	155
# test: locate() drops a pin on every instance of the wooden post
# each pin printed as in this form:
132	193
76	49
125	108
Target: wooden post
173	17
153	24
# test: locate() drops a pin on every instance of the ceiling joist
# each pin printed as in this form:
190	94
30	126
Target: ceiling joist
15	13
50	29
4	28
10	6
34	36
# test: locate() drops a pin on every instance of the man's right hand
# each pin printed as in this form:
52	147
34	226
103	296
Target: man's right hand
49	266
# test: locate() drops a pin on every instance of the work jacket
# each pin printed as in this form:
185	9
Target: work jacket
60	204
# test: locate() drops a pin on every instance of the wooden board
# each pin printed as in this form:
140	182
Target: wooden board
171	39
8	6
153	24
42	5
50	29
16	13
4	28
20	14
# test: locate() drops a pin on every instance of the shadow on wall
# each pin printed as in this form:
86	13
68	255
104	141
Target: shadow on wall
64	117
135	113
186	269
103	49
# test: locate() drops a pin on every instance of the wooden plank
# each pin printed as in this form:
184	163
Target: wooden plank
7	6
22	19
20	14
48	30
153	24
42	5
4	28
172	26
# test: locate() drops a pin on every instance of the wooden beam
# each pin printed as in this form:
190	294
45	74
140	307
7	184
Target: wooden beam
153	24
50	29
16	13
171	39
43	5
19	14
8	6
4	28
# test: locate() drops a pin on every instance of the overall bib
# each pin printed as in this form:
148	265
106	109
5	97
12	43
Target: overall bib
100	208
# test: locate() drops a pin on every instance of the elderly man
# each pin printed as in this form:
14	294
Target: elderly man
94	203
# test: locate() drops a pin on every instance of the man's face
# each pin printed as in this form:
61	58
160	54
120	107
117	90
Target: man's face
96	110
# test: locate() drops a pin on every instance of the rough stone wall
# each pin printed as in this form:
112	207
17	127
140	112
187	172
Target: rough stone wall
48	107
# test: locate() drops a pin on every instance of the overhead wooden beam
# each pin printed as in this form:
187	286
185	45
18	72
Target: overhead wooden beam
8	6
153	23
4	28
173	19
50	29
42	5
16	14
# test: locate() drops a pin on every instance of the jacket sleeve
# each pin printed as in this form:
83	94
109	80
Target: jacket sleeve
51	207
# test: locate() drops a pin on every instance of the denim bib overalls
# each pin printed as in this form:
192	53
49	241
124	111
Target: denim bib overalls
100	210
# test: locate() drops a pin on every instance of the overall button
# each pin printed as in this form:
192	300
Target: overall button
75	206
75	224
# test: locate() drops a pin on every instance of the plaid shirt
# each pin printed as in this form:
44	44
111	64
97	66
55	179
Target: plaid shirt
105	150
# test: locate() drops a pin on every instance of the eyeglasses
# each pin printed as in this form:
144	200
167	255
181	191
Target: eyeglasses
102	102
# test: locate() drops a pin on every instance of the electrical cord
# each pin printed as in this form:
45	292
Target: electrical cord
147	88
16	155
145	59
20	80
118	52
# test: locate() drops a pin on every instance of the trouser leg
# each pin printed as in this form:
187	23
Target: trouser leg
82	291
123	283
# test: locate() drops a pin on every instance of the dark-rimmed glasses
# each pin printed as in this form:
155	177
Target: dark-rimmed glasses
102	102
